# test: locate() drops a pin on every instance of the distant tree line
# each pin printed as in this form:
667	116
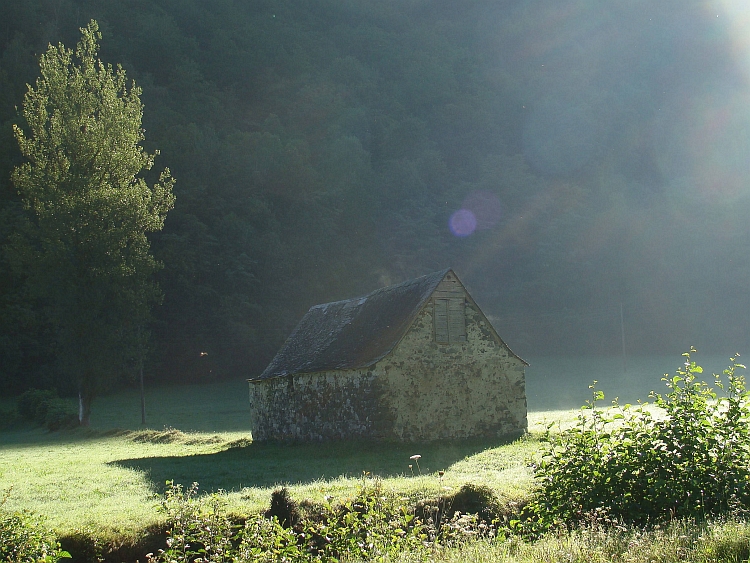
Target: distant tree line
322	146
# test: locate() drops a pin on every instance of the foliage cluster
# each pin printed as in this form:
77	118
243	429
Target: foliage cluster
322	146
689	458
24	538
45	408
373	525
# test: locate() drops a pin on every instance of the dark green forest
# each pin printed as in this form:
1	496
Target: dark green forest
322	147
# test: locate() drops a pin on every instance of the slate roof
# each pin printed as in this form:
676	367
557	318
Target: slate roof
355	333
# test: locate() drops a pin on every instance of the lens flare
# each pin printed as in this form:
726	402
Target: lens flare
462	223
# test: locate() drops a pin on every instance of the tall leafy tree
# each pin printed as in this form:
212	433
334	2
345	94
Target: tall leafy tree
84	250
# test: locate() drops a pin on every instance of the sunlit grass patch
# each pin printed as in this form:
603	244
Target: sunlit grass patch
110	481
109	477
538	420
107	481
73	481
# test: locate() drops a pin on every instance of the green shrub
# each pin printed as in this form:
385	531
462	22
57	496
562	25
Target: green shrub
626	465
59	415
45	408
198	528
32	405
371	526
264	540
23	538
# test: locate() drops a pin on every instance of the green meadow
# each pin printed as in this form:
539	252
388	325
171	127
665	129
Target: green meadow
108	479
105	483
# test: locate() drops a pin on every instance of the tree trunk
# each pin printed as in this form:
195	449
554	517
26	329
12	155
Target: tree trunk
84	413
143	397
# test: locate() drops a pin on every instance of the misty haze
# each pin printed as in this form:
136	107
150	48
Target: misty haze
583	167
314	280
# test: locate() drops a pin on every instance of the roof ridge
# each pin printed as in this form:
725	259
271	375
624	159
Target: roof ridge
385	287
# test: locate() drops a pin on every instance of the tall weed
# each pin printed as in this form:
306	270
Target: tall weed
371	526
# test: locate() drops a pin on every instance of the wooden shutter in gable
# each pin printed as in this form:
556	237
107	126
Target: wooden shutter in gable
450	320
441	320
456	321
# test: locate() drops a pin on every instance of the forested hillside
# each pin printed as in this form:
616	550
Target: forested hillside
322	147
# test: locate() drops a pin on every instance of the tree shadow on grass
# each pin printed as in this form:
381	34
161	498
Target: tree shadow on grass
268	465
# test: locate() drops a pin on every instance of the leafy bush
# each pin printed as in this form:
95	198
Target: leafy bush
23	538
199	530
625	464
45	408
32	405
59	415
370	526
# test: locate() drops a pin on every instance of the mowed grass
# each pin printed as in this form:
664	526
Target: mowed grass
108	479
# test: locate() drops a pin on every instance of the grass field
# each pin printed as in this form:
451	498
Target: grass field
109	478
107	481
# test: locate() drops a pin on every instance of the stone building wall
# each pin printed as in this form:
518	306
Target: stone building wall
316	406
423	390
450	391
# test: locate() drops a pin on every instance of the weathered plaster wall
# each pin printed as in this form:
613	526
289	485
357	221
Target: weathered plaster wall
421	391
449	391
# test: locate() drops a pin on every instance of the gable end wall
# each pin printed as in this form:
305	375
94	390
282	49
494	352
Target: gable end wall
452	391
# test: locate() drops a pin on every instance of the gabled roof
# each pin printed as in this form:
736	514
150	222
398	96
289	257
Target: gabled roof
355	333
359	332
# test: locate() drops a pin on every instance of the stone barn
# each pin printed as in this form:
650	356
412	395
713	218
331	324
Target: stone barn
416	361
